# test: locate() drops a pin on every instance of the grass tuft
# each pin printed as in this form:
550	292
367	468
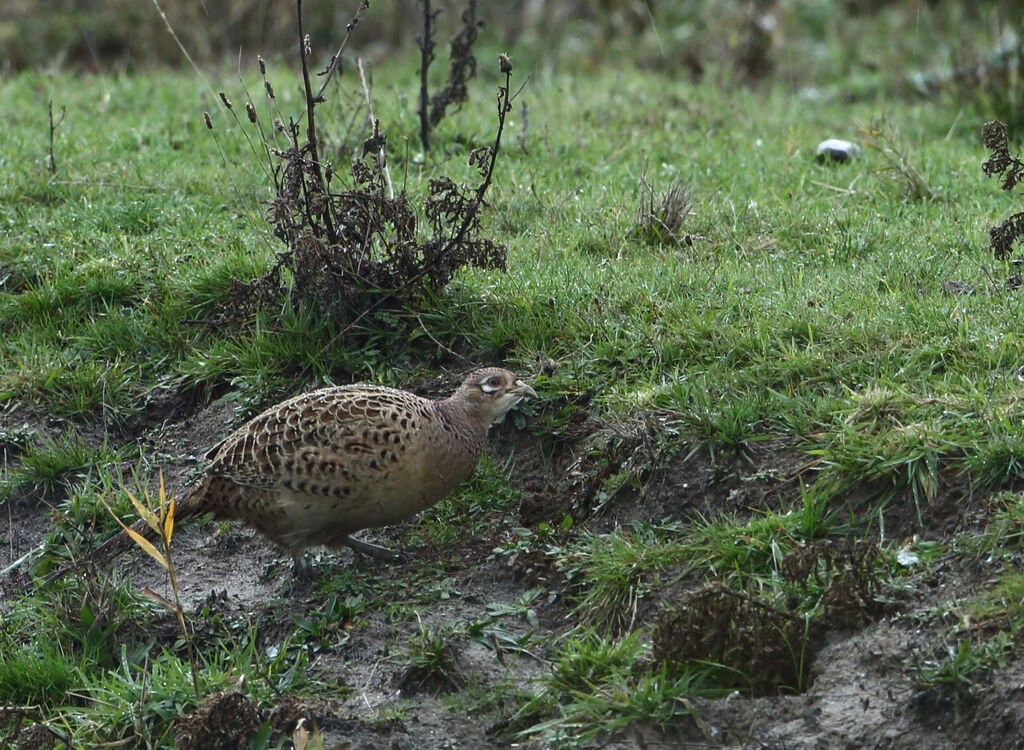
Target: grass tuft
661	217
56	463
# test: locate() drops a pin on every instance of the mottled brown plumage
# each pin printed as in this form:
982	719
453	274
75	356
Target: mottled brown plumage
319	467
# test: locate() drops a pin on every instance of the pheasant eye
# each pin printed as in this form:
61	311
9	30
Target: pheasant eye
492	384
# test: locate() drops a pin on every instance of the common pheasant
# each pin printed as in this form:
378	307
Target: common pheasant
319	467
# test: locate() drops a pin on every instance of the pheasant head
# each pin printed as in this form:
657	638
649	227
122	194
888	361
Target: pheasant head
488	394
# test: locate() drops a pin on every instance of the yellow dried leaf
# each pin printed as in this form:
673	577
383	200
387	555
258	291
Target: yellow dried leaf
136	536
146	545
145	513
169	519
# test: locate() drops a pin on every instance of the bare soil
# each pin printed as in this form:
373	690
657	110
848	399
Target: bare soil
858	694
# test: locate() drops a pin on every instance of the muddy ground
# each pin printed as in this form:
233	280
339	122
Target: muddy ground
858	694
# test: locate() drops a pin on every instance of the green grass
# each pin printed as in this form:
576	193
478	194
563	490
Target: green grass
834	322
800	305
596	687
68	461
430	660
614	573
105	670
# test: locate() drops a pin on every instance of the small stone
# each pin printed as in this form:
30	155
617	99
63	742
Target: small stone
907	558
834	149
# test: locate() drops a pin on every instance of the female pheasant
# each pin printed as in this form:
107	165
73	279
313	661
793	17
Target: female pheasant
315	469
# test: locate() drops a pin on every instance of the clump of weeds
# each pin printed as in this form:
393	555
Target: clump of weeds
764	639
353	246
432	662
885	139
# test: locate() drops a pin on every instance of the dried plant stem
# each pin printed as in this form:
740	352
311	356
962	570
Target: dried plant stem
381	156
524	129
263	156
504	107
462	66
336	60
170	30
53	127
231	180
160	523
426	57
1011	168
311	101
180	612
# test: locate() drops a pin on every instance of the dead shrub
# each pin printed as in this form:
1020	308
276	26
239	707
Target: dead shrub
1011	168
222	720
767	648
462	67
354	247
751	639
847	571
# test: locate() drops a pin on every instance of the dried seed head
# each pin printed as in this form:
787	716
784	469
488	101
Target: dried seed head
251	111
269	88
224	98
209	122
504	63
278	125
278	210
317	203
262	64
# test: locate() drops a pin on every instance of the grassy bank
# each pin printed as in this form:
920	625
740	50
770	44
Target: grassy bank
836	336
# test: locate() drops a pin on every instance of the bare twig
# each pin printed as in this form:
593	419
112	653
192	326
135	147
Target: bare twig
268	165
54	126
504	107
1011	168
227	171
462	66
170	30
524	129
437	343
336	59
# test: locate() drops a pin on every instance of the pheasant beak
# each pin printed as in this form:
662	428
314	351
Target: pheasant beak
523	390
511	397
